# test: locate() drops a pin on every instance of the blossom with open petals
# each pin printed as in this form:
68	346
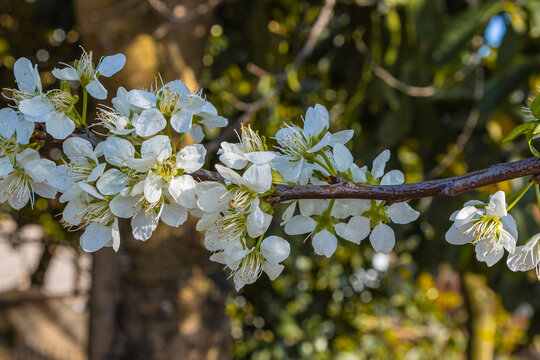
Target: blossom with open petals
83	70
488	226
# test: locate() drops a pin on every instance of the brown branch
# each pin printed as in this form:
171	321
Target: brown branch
315	32
392	193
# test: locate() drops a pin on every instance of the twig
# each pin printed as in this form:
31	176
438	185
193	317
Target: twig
470	124
394	193
320	24
390	80
175	21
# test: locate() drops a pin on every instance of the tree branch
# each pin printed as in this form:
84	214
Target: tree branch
392	193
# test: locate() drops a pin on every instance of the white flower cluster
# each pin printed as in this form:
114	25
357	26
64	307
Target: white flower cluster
142	170
491	229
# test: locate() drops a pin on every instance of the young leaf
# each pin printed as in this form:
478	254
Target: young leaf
535	107
525	128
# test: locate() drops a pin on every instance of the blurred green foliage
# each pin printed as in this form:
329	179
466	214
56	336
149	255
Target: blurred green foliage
433	47
342	308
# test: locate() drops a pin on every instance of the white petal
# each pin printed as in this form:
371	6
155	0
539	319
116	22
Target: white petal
466	215
275	249
153	185
229	174
382	238
272	270
96	90
74	211
342	157
324	142
6	167
24	129
358	174
196	133
115	232
393	177
310	207
158	147
181	121
457	236
356	230
37	106
182	189
510	225
59	125
110	65
497	205
39	169
324	243
508	241
143	225
112	182
96	172
300	225
61	178
258	178
95	237
44	190
141	99
488	253
76	148
174	214
210	196
8	122
68	73
191	158
258	222
260	157
124	206
288	213
402	213
150	122
341	137
379	163
117	151
27	76
317	120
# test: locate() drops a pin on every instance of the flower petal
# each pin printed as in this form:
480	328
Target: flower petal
59	125
191	158
402	213
324	243
379	164
275	249
110	65
174	214
382	238
150	122
96	90
300	225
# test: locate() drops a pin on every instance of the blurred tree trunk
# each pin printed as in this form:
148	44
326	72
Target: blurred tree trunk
162	299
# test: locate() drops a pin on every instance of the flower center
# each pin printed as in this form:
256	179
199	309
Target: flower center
486	228
243	197
97	211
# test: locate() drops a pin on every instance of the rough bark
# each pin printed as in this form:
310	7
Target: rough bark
162	299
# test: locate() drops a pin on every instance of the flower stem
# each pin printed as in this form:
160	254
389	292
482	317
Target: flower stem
330	165
85	106
325	167
519	195
537	189
259	241
170	137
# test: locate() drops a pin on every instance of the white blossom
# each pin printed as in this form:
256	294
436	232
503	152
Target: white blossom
23	175
83	71
526	257
488	226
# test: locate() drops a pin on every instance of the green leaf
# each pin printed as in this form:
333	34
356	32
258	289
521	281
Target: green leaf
525	128
535	107
530	138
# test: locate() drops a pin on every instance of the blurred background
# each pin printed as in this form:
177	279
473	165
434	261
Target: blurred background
437	82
